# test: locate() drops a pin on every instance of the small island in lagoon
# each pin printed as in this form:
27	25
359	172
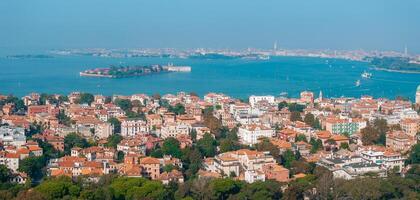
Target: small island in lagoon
132	71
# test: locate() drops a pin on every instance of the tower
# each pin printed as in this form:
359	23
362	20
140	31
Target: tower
320	96
275	46
405	51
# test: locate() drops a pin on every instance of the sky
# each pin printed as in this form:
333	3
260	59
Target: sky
236	24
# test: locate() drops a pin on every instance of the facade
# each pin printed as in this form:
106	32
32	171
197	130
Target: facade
341	126
133	127
307	97
255	99
250	134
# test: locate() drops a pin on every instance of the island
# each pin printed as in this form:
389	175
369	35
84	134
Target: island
394	64
132	71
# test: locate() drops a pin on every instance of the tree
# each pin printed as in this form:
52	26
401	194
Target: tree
207	145
268	189
266	145
191	160
124	104
32	166
63	118
178	109
5	174
86	98
309	119
369	135
282	105
193	135
295	116
224	188
227	145
344	145
74	140
381	126
316	145
301	137
116	123
149	190
414	156
294	107
287	158
114	140
171	147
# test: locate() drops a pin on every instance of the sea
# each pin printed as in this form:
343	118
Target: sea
235	77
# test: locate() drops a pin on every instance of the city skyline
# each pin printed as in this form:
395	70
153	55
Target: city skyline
372	25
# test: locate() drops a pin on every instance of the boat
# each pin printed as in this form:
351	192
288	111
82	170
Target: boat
263	57
366	75
357	83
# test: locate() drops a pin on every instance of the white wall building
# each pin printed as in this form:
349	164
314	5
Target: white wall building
255	99
133	127
249	134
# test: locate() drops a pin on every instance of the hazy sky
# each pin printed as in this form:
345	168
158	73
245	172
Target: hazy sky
311	24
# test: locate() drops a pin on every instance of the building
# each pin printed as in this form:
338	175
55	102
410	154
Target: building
244	162
418	95
400	141
276	172
341	126
410	126
133	127
307	97
250	134
104	130
255	99
10	135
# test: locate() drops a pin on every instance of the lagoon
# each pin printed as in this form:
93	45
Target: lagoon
236	77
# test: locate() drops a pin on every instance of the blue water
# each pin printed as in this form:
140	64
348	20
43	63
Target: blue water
239	78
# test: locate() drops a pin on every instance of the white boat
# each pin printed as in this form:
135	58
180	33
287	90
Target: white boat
366	75
357	83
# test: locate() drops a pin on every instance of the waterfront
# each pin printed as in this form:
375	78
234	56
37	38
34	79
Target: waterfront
235	77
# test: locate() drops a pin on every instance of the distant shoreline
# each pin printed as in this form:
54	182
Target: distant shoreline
396	71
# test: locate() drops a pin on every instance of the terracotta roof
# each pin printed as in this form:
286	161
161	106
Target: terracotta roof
149	160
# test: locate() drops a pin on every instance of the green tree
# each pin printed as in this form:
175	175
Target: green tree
224	188
55	188
287	158
74	140
316	145
33	166
178	109
309	119
5	174
86	98
207	145
344	145
114	140
301	137
171	147
116	123
295	116
414	156
282	105
124	104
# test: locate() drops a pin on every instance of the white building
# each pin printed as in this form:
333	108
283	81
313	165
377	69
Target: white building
133	127
255	99
12	136
104	130
249	134
174	129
